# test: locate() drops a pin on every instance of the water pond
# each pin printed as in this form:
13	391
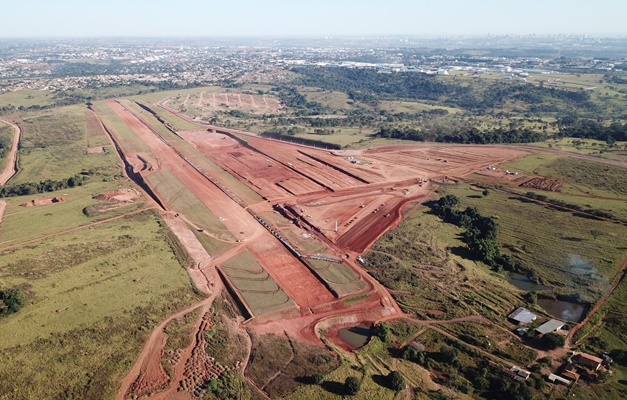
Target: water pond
524	283
564	310
355	336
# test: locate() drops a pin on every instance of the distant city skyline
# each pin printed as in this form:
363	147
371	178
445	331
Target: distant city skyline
281	18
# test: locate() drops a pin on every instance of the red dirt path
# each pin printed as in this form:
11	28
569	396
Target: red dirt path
10	167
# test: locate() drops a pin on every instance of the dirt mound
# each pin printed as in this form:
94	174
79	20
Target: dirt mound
541	183
122	195
43	202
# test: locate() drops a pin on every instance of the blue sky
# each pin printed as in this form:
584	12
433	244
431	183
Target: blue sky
74	18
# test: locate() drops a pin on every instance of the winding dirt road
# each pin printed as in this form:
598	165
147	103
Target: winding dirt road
11	168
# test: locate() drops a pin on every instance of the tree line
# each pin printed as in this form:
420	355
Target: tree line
571	126
48	185
463	135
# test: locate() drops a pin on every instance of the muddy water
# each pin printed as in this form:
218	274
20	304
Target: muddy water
523	283
356	336
563	310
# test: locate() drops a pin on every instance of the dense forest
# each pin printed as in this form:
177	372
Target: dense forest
572	126
369	86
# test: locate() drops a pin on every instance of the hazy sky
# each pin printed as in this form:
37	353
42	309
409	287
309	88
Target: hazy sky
79	18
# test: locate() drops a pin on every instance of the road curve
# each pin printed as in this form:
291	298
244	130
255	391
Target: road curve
11	168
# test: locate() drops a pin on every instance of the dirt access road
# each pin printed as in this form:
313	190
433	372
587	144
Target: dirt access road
11	168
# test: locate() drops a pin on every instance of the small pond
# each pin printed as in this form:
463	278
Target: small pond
524	283
563	310
355	336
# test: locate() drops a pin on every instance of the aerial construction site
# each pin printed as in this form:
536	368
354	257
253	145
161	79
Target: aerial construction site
290	222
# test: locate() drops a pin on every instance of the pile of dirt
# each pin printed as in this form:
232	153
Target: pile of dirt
121	195
43	202
541	183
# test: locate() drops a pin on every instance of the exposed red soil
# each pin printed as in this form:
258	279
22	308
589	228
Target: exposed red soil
541	183
364	191
244	102
121	195
287	271
295	278
43	202
152	375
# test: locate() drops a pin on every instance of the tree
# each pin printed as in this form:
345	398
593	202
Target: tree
485	192
553	340
531	297
317	379
382	331
449	354
449	201
352	385
411	353
12	300
396	381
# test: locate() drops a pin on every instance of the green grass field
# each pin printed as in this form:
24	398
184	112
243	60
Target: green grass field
6	136
95	296
26	98
260	292
26	223
413	107
592	147
582	176
576	255
125	135
422	263
53	146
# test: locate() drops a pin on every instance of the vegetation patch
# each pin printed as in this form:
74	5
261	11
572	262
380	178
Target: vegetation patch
279	365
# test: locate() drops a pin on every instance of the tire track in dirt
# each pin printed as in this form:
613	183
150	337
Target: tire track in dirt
104	221
3	206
